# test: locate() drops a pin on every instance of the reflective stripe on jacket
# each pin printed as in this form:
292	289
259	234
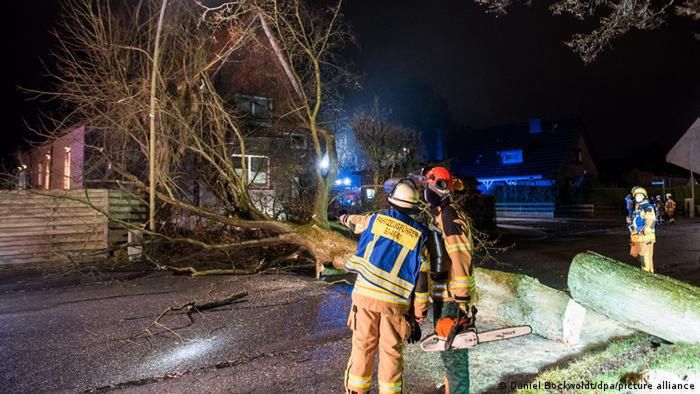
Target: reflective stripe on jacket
643	223
388	258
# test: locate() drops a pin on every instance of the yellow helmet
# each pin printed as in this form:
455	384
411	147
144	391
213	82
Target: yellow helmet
639	190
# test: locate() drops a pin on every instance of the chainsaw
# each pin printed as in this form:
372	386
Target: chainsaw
461	333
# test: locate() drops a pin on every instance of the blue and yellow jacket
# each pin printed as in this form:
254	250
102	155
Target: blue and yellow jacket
388	258
643	223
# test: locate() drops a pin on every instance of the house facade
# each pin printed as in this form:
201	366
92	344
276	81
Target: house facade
58	164
537	153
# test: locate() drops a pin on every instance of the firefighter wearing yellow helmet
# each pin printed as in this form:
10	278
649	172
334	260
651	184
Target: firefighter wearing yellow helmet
642	229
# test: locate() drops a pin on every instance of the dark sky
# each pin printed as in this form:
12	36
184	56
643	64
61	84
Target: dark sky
27	42
640	96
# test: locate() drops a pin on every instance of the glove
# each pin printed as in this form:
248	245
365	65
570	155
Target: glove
416	334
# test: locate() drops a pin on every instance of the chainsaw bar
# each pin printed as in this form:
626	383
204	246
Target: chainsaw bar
471	338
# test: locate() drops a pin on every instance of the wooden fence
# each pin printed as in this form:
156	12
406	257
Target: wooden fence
59	226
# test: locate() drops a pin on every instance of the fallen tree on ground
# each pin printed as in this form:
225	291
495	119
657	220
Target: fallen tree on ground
190	149
652	303
514	299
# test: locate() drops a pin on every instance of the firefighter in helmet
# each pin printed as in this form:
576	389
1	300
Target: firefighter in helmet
642	229
388	265
452	286
670	208
660	209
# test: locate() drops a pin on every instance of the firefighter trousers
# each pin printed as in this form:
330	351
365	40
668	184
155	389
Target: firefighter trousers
374	332
646	256
456	362
644	251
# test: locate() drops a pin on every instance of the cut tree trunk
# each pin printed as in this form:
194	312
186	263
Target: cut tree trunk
655	304
513	299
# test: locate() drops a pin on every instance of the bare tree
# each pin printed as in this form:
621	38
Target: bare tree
616	18
105	75
390	148
308	42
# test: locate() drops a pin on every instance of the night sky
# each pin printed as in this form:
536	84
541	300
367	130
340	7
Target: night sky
450	59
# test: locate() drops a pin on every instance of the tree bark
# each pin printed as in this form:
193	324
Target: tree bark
655	304
152	125
513	299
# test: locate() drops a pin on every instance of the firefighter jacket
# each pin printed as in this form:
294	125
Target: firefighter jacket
643	223
388	258
670	207
459	283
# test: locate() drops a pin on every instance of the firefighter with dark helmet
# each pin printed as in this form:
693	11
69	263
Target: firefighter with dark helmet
388	265
642	229
452	286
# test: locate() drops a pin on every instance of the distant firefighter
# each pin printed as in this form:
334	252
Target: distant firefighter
670	209
660	209
642	229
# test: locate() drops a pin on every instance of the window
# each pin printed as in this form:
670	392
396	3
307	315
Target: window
512	156
256	106
39	174
66	169
298	141
258	169
47	172
370	193
579	156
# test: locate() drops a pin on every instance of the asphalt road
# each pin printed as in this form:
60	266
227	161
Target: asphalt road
545	249
289	335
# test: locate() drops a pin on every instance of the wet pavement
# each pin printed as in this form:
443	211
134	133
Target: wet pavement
289	334
546	248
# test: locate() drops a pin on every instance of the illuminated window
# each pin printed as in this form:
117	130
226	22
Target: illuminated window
257	166
66	169
47	173
369	193
512	156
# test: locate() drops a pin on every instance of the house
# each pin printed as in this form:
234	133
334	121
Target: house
537	153
278	153
57	164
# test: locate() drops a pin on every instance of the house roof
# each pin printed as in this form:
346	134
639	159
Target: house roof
543	153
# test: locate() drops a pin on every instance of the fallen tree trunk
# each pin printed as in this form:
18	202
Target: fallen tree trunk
513	299
655	304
